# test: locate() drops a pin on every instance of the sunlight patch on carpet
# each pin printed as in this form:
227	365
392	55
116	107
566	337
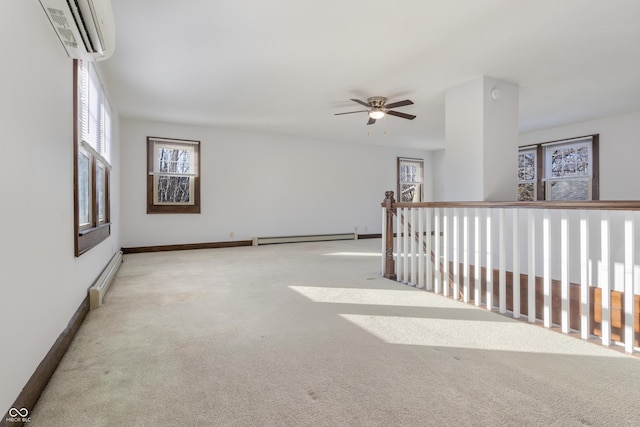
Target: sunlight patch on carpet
390	297
473	334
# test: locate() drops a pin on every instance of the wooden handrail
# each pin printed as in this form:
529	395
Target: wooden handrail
629	205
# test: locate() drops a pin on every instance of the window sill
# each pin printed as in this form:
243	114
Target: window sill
91	237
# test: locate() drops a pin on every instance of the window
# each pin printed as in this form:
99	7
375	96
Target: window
559	170
92	149
527	174
410	180
568	169
173	180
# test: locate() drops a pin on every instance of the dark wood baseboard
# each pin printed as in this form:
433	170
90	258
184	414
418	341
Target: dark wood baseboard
186	246
369	236
210	245
38	381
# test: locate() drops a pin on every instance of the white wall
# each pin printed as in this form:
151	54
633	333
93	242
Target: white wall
619	151
257	185
42	283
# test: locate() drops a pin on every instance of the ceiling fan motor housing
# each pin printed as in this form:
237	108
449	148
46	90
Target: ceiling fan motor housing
377	101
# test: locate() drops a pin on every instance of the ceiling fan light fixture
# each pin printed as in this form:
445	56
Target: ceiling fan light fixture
376	114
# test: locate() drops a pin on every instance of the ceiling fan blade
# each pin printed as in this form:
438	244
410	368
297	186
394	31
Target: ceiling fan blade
361	102
371	121
399	104
351	112
403	115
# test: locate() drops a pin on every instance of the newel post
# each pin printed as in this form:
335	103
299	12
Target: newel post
389	265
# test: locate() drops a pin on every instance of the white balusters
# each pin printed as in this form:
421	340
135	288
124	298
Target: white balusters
465	254
516	263
629	250
437	275
584	275
405	246
456	253
546	267
383	250
477	269
564	271
445	252
412	244
531	265
604	278
429	249
421	245
489	266
431	241
399	246
502	276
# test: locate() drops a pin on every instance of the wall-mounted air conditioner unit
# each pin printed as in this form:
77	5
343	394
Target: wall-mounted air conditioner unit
85	27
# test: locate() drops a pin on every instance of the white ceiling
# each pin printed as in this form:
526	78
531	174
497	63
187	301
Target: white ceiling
286	67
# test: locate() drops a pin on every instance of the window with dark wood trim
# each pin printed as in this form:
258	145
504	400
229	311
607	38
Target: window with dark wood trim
91	151
410	180
565	169
173	175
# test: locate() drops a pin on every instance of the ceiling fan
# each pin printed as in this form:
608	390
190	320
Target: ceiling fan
378	107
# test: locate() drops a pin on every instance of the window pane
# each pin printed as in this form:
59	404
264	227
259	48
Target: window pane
526	192
410	193
571	161
173	189
172	160
527	166
84	195
569	190
100	189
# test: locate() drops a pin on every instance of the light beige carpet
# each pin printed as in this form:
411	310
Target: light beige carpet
309	334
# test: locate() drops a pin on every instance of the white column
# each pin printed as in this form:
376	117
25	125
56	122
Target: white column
481	131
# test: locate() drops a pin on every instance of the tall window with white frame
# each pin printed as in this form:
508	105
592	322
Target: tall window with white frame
410	180
92	150
560	170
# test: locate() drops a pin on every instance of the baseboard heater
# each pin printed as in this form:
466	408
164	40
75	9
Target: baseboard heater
100	287
310	238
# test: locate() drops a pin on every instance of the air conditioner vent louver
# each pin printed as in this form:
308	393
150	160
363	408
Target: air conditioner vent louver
85	27
62	27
